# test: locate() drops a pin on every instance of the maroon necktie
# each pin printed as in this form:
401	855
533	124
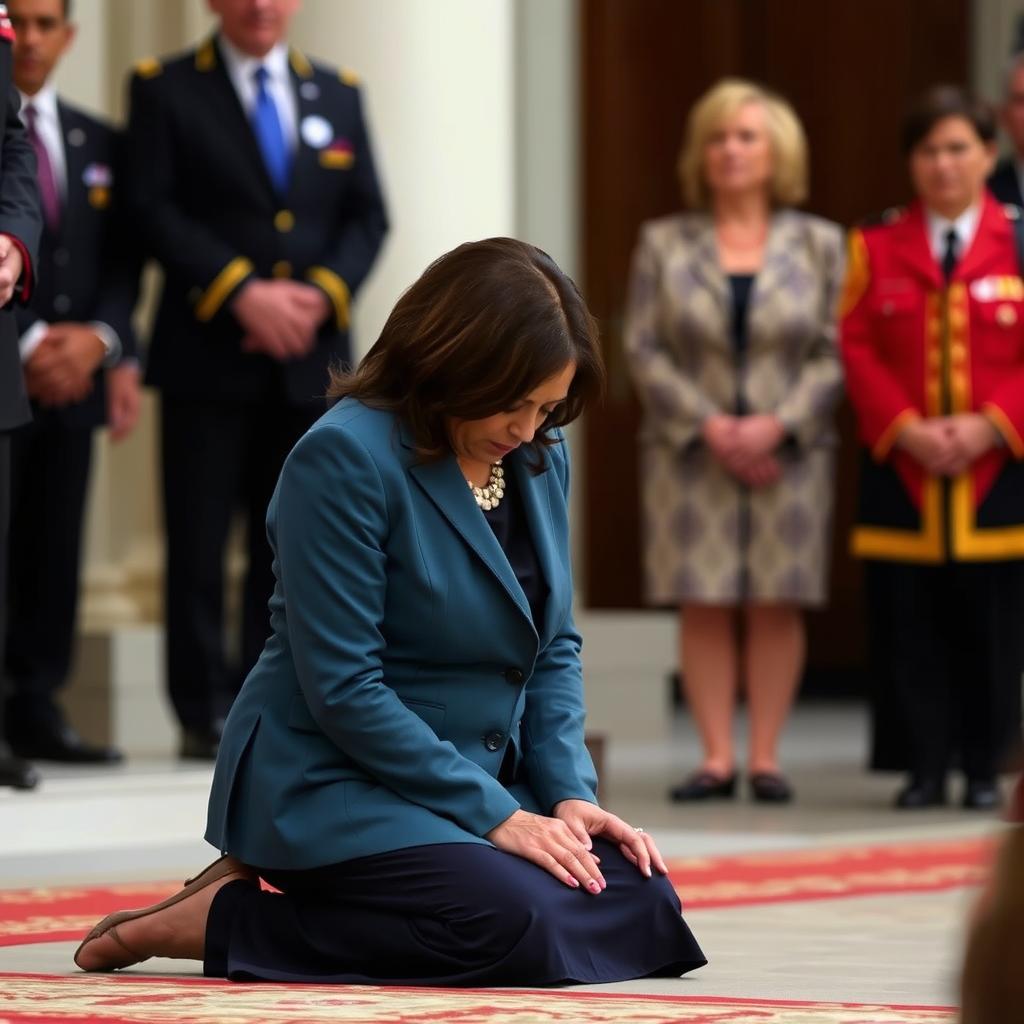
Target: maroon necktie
44	172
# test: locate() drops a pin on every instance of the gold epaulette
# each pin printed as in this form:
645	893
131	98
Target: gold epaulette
349	77
148	67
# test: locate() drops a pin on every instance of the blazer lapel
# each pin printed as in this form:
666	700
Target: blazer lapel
77	144
445	485
705	263
537	507
232	117
992	226
916	253
308	109
781	278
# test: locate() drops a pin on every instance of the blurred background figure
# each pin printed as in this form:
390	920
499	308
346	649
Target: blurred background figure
78	351
991	984
933	339
20	225
253	182
1007	178
730	334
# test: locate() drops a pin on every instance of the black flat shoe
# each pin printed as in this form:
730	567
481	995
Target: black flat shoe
770	788
918	794
982	795
61	743
17	774
703	785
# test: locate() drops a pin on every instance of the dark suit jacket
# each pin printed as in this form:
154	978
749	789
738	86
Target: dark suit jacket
199	191
19	217
1004	183
90	269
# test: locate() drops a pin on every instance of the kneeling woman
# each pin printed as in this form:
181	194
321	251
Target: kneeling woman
405	763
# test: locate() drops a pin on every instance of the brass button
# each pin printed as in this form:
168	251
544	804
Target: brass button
284	220
282	268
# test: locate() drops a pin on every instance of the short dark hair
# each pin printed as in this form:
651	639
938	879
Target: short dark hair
940	102
481	328
67	9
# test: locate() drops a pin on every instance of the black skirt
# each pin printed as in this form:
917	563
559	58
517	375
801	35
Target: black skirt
450	914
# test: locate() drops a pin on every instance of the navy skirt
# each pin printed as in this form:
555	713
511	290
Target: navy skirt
451	914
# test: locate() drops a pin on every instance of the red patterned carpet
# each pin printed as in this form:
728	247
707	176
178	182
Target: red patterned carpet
92	999
54	914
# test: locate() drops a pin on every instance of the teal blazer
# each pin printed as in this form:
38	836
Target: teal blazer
403	659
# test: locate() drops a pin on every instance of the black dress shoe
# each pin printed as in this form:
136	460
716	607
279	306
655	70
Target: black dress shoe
920	793
982	795
703	785
61	743
199	745
17	774
770	788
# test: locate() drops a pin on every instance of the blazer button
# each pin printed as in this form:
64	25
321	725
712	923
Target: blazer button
494	740
61	257
513	676
62	303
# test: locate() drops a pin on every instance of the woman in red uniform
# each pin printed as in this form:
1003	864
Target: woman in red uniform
933	341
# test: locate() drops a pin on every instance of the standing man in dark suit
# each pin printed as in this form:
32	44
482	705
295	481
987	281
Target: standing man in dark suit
20	224
1005	181
252	179
78	352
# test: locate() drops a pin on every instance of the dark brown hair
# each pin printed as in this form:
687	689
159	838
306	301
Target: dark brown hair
940	102
483	326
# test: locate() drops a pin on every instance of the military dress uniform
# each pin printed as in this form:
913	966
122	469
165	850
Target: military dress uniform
89	272
216	214
945	575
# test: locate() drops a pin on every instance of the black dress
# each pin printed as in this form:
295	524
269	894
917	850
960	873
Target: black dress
456	913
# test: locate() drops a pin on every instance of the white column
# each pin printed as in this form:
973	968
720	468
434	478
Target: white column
438	86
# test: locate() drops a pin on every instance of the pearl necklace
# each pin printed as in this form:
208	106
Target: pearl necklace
490	496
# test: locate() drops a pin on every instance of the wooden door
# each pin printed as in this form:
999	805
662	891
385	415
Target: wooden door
849	69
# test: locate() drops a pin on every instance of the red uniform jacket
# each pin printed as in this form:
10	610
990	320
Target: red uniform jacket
914	347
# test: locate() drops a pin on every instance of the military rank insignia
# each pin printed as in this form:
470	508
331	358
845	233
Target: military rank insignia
338	155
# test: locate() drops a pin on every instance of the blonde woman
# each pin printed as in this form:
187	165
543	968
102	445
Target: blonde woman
731	337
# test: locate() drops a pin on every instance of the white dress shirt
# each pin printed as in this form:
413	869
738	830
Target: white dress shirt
48	128
241	68
965	226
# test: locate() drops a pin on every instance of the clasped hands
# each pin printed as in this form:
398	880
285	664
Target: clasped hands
61	371
948	445
562	844
280	318
745	446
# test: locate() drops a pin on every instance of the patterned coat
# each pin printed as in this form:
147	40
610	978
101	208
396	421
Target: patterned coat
709	538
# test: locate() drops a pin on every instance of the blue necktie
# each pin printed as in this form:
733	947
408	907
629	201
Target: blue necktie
267	126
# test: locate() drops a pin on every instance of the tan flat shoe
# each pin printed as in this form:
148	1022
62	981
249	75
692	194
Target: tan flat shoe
122	955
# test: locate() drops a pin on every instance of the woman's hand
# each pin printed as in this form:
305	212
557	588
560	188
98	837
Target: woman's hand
758	436
973	435
931	443
552	845
586	819
719	433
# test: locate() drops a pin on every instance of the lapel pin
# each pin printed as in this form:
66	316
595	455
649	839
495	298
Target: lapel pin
316	131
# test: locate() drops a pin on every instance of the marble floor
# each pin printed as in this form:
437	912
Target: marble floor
144	820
